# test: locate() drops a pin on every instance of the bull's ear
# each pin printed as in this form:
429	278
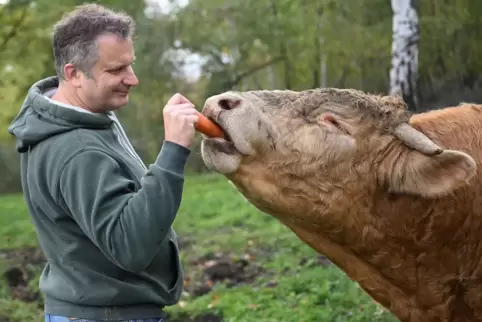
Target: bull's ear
430	176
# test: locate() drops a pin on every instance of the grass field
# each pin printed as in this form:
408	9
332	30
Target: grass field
240	265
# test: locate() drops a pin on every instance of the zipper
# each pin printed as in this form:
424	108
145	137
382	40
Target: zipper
124	142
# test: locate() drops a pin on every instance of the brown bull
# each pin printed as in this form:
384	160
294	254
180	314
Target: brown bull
394	201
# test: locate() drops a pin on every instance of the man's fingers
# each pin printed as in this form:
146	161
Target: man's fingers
184	106
180	113
188	110
177	99
183	99
192	119
170	108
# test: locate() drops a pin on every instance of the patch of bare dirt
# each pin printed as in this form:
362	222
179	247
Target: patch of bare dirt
226	268
20	269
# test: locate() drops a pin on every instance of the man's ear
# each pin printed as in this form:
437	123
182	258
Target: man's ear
72	75
430	176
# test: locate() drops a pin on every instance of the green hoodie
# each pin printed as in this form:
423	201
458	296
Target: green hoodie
103	220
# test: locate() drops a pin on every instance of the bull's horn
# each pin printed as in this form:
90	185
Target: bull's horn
416	140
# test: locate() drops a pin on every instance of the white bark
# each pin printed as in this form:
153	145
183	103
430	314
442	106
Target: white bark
404	69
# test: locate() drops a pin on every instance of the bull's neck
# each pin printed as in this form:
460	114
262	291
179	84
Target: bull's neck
393	250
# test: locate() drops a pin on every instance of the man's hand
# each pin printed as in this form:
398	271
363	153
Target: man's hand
179	119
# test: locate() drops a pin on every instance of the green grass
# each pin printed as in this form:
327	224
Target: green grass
215	219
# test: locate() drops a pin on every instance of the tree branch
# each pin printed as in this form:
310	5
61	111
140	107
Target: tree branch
236	79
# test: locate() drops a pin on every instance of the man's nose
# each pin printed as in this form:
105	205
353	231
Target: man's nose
131	78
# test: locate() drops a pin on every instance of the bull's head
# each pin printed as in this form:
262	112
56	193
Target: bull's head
340	133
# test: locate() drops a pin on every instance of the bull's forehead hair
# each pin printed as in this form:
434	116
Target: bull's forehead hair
376	106
271	99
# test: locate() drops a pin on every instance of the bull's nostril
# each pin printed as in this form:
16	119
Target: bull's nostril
229	104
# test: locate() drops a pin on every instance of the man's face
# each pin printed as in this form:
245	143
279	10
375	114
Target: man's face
112	75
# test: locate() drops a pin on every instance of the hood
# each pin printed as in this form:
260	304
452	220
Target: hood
40	119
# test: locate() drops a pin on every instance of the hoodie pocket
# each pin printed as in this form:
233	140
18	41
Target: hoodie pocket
179	272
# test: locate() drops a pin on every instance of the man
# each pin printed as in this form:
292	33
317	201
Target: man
103	220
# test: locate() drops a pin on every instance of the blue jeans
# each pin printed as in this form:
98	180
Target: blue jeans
56	318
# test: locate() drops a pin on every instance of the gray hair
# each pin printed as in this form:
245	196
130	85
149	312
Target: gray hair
75	35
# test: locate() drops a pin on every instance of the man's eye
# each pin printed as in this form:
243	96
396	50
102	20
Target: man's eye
116	70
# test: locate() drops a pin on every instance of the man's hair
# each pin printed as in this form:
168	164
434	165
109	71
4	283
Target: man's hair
75	35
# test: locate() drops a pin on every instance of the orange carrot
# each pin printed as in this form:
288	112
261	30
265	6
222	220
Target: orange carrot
208	127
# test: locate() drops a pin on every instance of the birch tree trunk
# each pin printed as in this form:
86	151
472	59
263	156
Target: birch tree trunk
404	68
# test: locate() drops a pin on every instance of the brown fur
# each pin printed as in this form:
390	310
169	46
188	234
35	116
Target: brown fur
405	226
